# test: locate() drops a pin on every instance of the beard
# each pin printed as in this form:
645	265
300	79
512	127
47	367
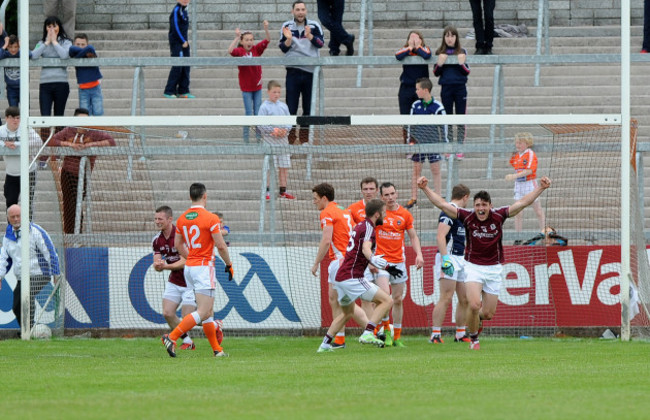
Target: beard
379	222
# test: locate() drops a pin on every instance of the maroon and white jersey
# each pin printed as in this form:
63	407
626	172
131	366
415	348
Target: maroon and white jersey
483	239
165	247
354	264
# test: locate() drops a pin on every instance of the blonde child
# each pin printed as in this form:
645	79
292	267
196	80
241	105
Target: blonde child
250	77
277	136
452	79
524	161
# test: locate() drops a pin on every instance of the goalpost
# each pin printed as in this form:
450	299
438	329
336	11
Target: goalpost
575	290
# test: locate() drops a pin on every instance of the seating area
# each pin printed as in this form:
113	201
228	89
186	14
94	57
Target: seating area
121	205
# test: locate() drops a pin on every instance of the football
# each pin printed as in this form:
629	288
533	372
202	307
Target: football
41	331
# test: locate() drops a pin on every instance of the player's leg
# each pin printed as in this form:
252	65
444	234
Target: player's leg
447	287
333	298
188	305
461	311
205	308
383	284
397	293
346	296
474	291
172	297
383	304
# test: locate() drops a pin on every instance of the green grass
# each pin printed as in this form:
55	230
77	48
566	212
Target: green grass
280	377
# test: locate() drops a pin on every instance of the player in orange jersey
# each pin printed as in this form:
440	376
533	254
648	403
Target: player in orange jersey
198	231
524	161
369	190
336	223
390	245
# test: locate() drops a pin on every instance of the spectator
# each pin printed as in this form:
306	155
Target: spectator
414	46
67	10
524	162
646	27
78	138
483	17
250	77
10	138
54	88
43	259
453	79
277	136
178	82
300	37
547	237
12	74
330	13
88	78
425	134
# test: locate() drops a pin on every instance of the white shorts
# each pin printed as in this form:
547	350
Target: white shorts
201	278
459	268
524	187
332	269
178	294
490	275
350	290
391	279
280	161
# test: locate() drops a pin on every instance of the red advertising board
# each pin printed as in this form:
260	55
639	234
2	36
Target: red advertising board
543	286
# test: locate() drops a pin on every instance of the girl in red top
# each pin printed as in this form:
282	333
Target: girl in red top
250	77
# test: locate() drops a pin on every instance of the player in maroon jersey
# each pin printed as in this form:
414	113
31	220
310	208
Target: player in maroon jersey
483	250
350	283
166	257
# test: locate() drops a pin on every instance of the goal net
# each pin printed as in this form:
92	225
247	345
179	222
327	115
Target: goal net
565	282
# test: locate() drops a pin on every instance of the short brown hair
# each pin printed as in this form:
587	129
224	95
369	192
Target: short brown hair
165	209
459	191
324	190
425	83
374	206
369	180
273	84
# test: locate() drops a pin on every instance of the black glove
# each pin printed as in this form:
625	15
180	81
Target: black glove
231	273
394	271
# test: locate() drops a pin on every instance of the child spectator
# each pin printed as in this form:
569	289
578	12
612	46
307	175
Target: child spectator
53	88
414	46
277	136
225	229
12	74
524	161
453	79
178	82
250	77
425	134
88	78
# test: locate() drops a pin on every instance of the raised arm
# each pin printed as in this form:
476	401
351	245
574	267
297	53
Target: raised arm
436	199
529	198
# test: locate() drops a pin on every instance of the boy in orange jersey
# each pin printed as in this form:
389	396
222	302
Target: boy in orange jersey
336	223
524	161
390	245
198	231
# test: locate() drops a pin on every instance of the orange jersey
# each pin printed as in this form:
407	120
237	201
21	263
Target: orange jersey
525	160
358	211
197	226
341	220
390	235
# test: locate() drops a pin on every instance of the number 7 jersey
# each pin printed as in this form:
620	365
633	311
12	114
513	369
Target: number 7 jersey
197	226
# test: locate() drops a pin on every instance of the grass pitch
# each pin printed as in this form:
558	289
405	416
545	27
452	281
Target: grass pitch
283	377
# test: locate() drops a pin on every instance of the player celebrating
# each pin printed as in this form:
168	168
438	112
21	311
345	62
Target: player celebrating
197	233
350	283
390	244
450	268
336	224
166	257
484	250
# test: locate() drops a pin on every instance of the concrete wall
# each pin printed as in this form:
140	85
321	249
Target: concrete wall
227	14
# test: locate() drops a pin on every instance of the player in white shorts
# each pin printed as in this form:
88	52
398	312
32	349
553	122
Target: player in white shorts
449	269
484	250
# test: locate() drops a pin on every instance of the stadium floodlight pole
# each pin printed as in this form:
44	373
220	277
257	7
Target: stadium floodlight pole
23	30
625	171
